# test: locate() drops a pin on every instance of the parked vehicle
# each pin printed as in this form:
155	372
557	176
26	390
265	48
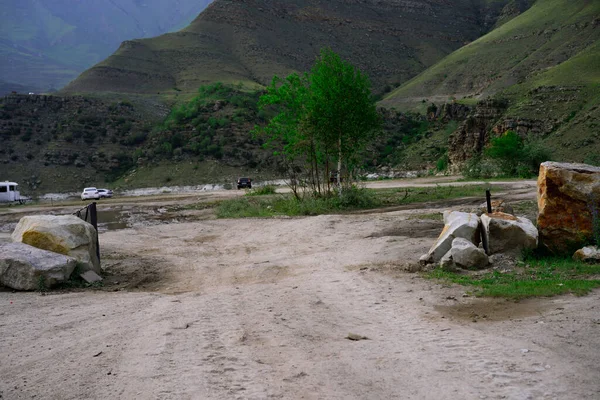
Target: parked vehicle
9	192
244	183
90	193
105	193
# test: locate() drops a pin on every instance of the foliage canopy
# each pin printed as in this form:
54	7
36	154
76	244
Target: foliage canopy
324	120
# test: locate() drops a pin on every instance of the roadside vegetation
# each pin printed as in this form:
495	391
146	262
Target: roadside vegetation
534	277
352	199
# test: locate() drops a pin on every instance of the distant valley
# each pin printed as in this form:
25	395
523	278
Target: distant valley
46	44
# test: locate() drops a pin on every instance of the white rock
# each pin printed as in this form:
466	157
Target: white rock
24	267
65	234
458	225
589	254
505	233
466	255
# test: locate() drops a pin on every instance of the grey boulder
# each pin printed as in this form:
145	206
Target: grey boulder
457	225
466	255
24	267
505	233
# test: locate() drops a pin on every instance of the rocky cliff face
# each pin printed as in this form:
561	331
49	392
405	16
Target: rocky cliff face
474	133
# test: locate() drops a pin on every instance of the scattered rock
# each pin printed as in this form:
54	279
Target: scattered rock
355	337
568	196
505	233
504	262
447	263
65	234
457	225
589	254
91	277
465	255
24	267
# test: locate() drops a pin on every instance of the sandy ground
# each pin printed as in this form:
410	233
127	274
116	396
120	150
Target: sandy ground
261	308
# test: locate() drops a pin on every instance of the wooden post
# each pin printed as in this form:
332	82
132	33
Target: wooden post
94	221
488	199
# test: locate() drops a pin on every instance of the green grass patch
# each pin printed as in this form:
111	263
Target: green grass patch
541	277
262	191
352	199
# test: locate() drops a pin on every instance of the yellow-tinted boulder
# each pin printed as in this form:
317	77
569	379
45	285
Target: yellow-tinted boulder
64	234
568	197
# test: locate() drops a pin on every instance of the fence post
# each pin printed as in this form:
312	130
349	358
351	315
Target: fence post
94	220
488	199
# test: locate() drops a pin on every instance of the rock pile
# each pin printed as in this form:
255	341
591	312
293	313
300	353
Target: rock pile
458	246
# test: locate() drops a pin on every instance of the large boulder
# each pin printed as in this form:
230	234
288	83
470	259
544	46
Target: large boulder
507	234
65	234
24	267
466	255
457	225
589	254
568	199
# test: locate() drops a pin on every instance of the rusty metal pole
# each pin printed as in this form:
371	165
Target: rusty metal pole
94	221
488	199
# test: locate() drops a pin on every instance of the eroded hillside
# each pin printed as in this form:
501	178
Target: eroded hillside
250	41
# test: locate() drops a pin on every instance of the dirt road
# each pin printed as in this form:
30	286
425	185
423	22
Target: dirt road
258	309
262	308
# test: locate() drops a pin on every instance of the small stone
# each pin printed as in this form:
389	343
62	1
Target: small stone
355	337
90	277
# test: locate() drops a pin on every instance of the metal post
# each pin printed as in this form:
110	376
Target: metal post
94	221
488	198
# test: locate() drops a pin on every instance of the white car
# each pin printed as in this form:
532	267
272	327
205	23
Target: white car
90	193
105	193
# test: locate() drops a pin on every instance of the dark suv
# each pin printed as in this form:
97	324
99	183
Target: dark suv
244	183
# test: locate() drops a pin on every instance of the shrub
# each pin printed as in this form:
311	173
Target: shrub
262	191
442	162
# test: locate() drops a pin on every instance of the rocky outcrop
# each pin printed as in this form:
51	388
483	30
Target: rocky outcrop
464	254
24	267
66	234
507	234
457	225
474	133
569	205
589	254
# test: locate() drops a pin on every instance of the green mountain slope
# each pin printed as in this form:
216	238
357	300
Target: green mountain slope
552	43
252	40
46	44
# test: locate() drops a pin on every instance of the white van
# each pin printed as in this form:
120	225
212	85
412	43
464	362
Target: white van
9	193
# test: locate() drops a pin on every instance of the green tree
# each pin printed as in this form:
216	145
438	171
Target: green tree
325	117
507	150
342	112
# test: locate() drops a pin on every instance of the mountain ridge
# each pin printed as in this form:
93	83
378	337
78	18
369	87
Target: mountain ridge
250	41
46	44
